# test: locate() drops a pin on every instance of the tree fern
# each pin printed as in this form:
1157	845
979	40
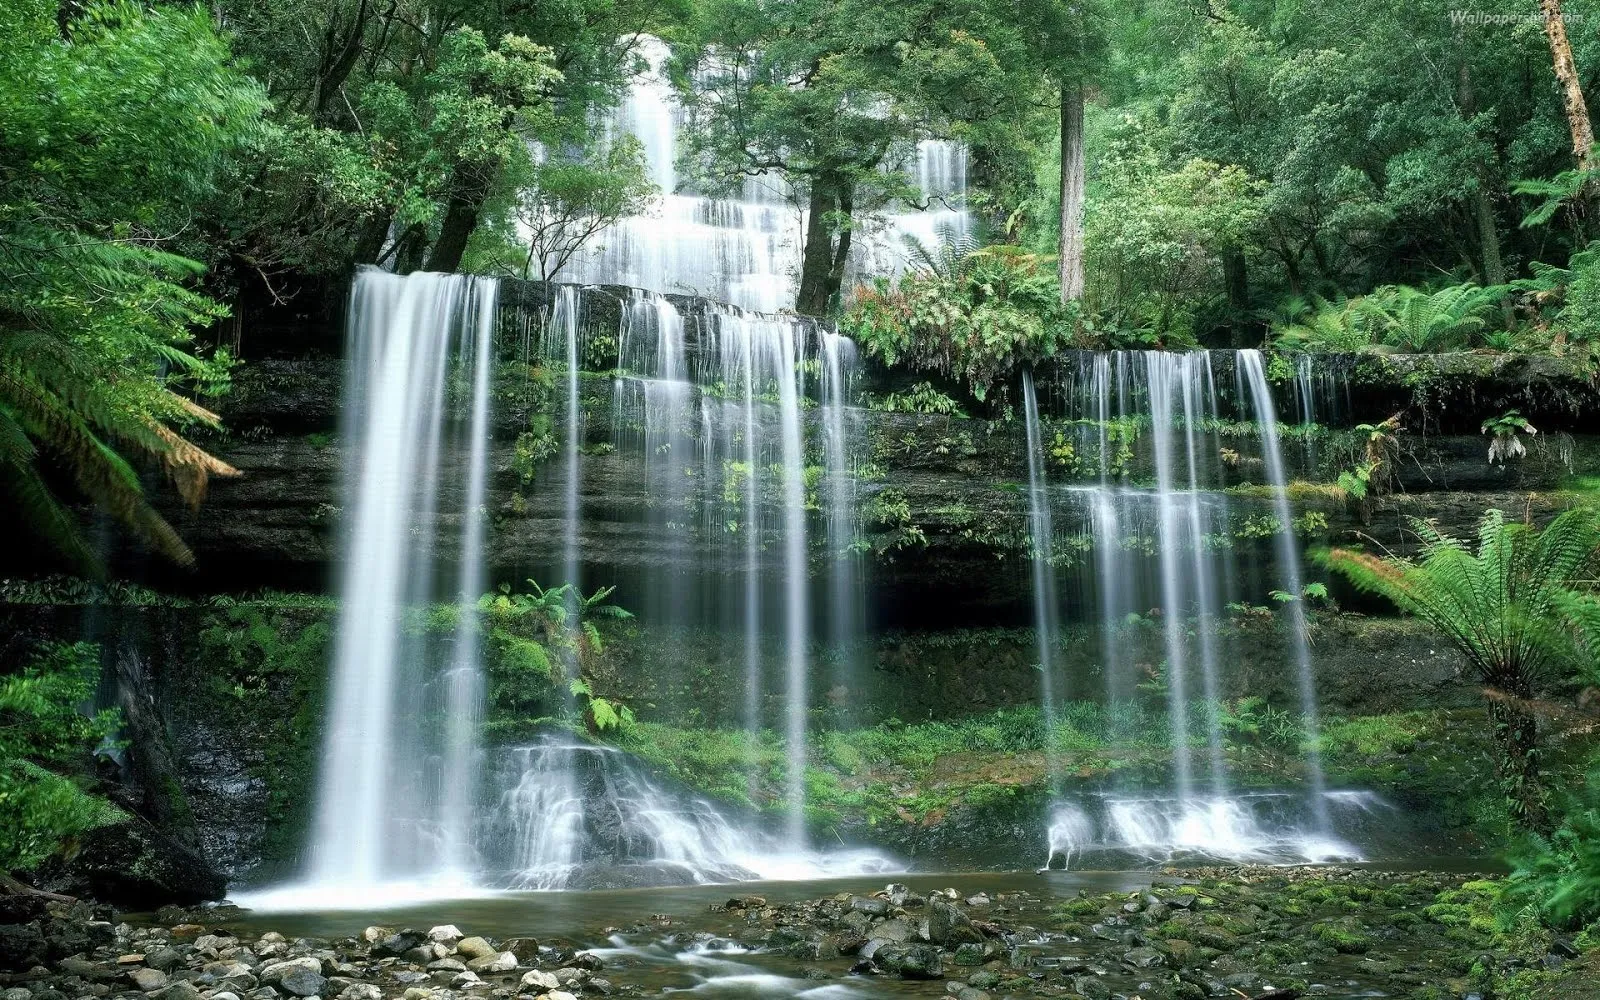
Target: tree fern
1514	608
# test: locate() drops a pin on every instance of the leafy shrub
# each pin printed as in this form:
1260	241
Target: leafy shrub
42	733
1558	877
975	317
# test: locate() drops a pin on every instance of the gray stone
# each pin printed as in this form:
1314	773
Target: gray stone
539	979
399	943
224	995
525	948
919	961
16	993
500	962
447	965
474	947
969	954
163	958
302	983
271	975
561	995
180	990
445	934
1091	987
359	991
896	930
148	980
871	906
1143	958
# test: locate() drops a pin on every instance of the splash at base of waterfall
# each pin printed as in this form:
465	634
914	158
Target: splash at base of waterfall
563	814
1259	828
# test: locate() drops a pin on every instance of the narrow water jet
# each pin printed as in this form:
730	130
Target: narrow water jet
1254	375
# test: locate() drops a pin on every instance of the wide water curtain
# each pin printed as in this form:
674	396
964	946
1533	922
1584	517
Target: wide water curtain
396	796
1142	449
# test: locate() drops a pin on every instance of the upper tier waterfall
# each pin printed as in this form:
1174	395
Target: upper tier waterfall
745	250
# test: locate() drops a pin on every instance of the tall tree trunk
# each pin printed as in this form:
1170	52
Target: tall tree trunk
841	251
816	261
1071	263
1236	281
1555	29
1494	271
468	192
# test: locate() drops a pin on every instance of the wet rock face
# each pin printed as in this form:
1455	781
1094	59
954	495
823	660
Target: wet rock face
131	863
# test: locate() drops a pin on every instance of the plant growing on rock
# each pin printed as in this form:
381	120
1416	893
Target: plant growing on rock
1517	611
547	641
1504	439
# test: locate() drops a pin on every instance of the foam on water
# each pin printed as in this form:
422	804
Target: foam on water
1264	827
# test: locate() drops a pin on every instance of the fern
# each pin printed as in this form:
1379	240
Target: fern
1515	608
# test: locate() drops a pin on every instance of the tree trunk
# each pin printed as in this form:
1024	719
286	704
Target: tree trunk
816	262
467	194
1516	736
841	250
1555	29
1071	263
150	761
1236	280
1494	271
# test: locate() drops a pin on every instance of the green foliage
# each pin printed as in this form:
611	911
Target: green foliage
98	363
44	740
1558	876
570	200
998	308
1504	435
544	643
920	398
1156	233
1513	609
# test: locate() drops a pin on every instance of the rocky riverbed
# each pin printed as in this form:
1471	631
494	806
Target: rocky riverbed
1228	932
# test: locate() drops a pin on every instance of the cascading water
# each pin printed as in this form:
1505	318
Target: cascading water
1253	374
1042	531
746	250
1142	438
393	802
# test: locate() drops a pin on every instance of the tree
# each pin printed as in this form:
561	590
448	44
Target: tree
1555	29
572	199
832	96
98	363
1515	610
401	128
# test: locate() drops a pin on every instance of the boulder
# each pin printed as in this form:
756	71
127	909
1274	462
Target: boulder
540	980
399	943
948	926
920	961
525	948
1144	958
475	947
136	866
499	962
445	934
147	980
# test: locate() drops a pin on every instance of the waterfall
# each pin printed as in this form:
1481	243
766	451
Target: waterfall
394	791
1254	375
1142	452
1042	532
846	598
745	251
